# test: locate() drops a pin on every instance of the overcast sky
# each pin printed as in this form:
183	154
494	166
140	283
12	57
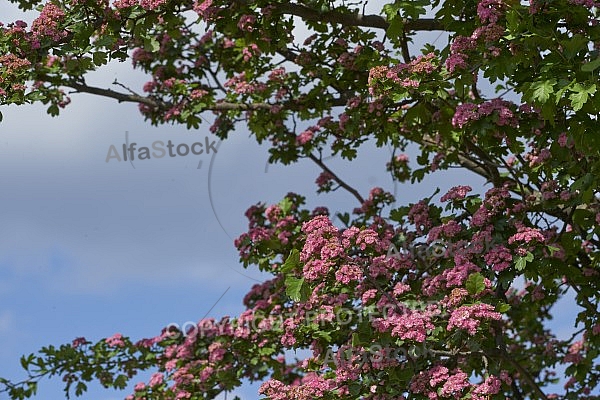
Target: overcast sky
90	248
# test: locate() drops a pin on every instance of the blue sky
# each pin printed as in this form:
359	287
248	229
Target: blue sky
90	248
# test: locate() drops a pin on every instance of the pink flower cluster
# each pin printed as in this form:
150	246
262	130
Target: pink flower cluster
537	156
13	63
438	382
205	9
121	4
115	340
405	75
489	387
310	387
246	23
448	229
419	216
455	276
589	4
456	193
489	12
46	25
469	112
305	136
499	258
494	203
526	235
459	48
280	228
152	4
412	325
240	85
324	179
326	248
469	317
378	198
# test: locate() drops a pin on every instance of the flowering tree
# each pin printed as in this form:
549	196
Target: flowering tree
445	298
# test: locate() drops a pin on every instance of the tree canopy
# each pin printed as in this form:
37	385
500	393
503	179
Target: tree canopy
449	297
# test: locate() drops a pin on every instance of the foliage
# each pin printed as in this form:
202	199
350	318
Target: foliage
385	311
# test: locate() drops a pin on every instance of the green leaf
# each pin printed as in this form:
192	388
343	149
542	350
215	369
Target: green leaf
151	44
395	29
591	66
345	218
581	95
553	250
53	110
294	287
286	205
99	58
120	382
574	45
25	361
542	90
503	307
292	262
475	283
80	388
354	388
522	261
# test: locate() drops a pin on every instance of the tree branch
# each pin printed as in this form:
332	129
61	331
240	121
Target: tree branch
134	98
340	182
355	19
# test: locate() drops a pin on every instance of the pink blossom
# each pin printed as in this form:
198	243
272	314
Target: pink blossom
216	352
205	9
455	384
402	158
464	113
419	216
324	178
408	326
152	4
499	258
562	139
115	340
46	25
469	112
400	288
245	23
490	386
469	317
348	273
456	193
156	379
489	11
526	235
77	342
304	138
250	51
456	61
120	4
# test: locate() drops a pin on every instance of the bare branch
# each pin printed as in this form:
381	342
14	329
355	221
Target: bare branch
340	182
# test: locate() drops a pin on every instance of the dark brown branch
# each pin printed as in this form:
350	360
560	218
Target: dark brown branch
133	98
340	182
524	375
120	97
355	19
154	103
